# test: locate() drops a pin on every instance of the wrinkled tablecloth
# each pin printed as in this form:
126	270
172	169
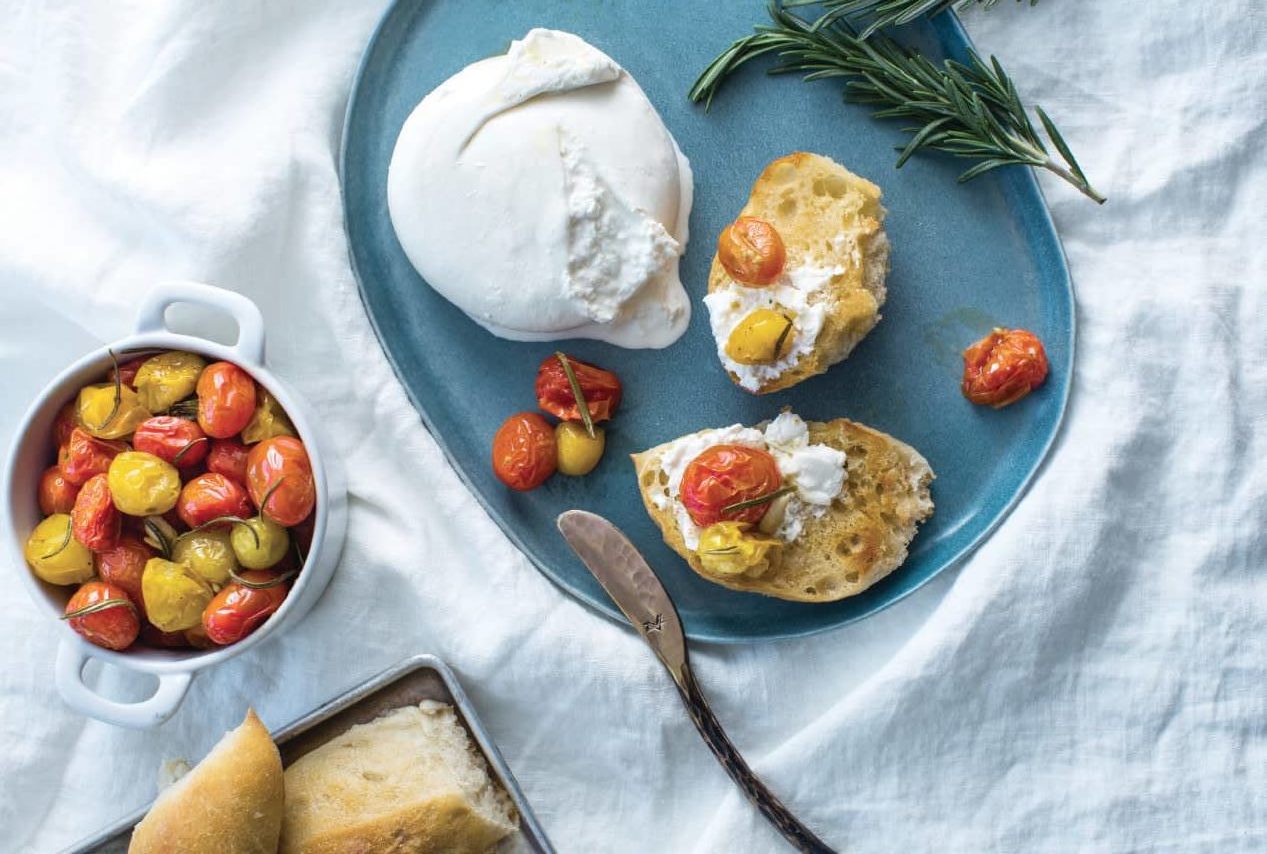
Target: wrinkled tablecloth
1094	678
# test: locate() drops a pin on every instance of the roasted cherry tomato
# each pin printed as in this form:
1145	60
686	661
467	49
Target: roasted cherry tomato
104	614
724	475
268	421
208	553
279	469
259	542
124	564
226	400
1003	367
67	420
727	548
95	521
142	484
168	377
601	389
175	595
178	441
210	496
108	411
752	251
55	555
127	372
524	451
237	610
56	494
762	337
84	456
228	457
578	454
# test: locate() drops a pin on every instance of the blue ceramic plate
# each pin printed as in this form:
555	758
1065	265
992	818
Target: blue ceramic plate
965	259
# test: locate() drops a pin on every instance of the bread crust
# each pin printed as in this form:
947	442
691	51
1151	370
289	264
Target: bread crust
811	199
863	537
230	803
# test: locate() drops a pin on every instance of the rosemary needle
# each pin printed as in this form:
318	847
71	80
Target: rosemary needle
971	111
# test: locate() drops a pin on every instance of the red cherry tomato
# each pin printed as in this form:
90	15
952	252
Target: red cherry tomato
113	627
67	420
236	610
124	564
127	371
724	475
281	462
94	520
84	456
179	441
210	496
524	451
1003	367
228	457
751	250
601	390
57	494
226	400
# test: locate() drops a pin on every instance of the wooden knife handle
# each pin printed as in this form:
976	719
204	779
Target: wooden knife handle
800	836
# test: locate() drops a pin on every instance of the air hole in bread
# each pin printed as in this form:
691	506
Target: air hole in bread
852	577
662	477
810	591
787	207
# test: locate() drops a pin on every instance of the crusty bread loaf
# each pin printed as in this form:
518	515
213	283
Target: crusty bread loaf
863	536
230	803
410	781
812	200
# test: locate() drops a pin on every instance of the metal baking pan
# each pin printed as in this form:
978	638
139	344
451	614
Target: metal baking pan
422	677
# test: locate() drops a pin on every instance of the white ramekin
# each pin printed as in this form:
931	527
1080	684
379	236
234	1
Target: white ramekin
32	452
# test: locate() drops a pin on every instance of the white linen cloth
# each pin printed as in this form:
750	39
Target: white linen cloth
1093	679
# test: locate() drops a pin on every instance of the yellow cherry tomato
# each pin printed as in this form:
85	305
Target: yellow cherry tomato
268	421
166	378
99	415
578	454
54	555
174	595
761	337
259	542
143	484
208	553
727	548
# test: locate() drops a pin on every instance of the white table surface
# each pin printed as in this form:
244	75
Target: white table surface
1092	679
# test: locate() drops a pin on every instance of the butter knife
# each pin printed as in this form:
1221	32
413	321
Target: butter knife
633	586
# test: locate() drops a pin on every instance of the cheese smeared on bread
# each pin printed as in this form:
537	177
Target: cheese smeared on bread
832	226
833	551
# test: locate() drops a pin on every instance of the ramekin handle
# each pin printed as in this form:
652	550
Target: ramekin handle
145	714
250	343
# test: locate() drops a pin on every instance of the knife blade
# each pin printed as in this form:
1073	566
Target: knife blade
622	571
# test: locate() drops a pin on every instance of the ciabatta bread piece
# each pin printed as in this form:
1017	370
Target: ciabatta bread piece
863	536
832	225
410	781
230	803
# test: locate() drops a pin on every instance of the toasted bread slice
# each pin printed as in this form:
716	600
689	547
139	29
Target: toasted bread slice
828	217
863	536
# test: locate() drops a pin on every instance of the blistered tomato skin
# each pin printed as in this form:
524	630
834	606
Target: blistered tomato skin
208	553
524	451
226	400
279	469
115	627
143	484
210	496
124	564
578	454
1003	367
168	377
110	412
751	250
56	493
178	441
268	421
228	457
259	542
54	555
174	596
85	455
601	389
95	521
724	475
67	420
126	373
236	611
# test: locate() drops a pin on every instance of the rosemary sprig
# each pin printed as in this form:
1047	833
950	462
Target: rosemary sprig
756	502
275	581
98	607
971	111
190	445
782	339
581	403
885	13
